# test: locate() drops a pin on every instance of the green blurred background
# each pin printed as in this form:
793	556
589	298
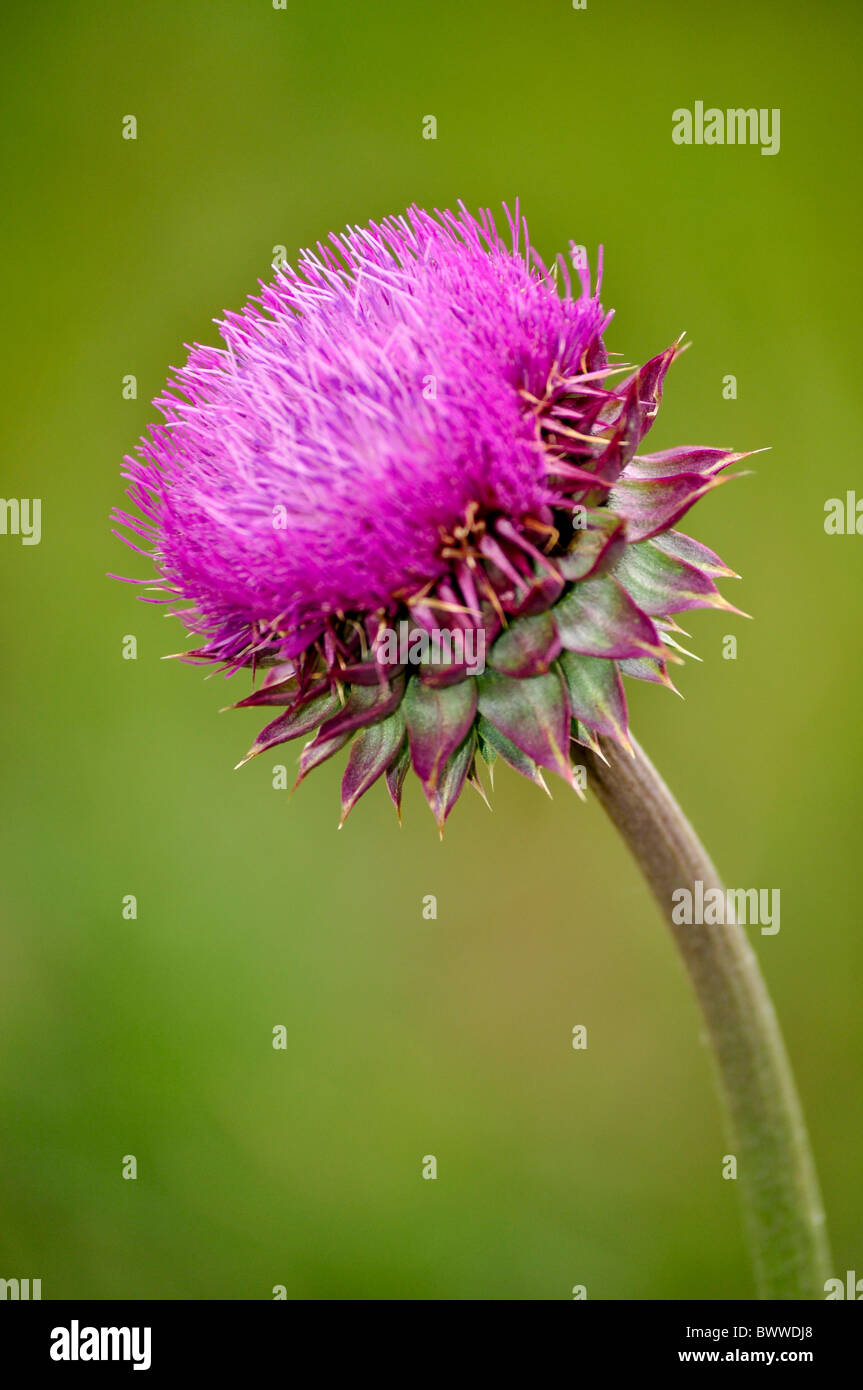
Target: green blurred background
153	1037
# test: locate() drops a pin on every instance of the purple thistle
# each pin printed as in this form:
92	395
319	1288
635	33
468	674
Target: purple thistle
416	427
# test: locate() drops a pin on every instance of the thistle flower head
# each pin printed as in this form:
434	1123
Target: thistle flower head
409	486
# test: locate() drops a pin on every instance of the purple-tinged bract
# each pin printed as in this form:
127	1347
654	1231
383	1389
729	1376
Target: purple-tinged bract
409	486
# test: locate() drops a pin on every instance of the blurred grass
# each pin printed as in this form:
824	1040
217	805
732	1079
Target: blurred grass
406	1037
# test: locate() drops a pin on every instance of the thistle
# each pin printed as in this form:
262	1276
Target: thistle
416	431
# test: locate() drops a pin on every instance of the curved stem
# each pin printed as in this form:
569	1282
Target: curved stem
782	1203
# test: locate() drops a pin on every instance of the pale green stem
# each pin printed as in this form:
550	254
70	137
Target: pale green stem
776	1174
